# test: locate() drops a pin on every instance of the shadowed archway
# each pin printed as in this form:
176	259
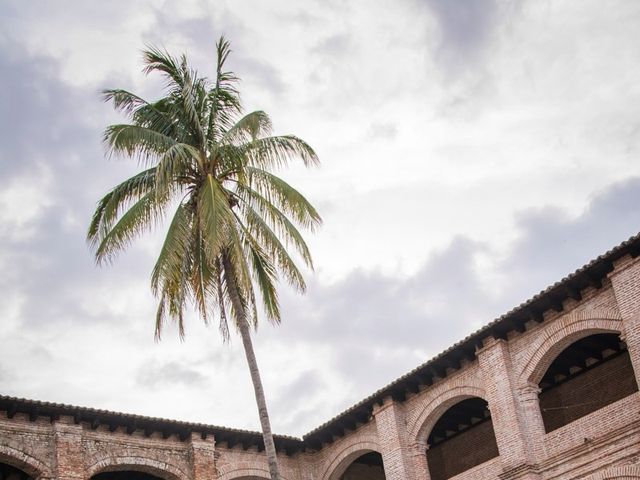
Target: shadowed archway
462	438
7	472
125	475
367	466
589	374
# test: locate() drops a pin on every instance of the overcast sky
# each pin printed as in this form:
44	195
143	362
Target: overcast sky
473	152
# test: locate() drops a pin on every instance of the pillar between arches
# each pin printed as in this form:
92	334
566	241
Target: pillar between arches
528	400
419	463
69	458
202	457
513	412
625	280
391	429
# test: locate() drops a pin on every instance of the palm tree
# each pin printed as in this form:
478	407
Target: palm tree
234	220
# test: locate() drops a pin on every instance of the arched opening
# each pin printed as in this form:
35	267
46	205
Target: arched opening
462	438
365	467
589	374
7	472
250	478
125	475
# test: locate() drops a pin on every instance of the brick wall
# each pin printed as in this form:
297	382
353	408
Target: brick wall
363	472
588	392
462	452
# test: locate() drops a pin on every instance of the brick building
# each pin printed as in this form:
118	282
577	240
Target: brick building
547	391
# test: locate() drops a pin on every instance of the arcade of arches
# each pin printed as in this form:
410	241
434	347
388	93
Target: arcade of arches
547	392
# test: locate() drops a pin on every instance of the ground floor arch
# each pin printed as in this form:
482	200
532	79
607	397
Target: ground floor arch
125	475
142	469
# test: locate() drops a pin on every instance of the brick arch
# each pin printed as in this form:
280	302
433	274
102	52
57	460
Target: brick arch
239	473
347	454
626	472
438	405
232	472
551	341
139	464
28	464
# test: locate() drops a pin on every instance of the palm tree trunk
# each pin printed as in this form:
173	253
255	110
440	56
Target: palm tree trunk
245	334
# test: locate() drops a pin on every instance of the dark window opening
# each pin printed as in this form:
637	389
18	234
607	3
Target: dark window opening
588	375
124	475
365	467
461	439
7	472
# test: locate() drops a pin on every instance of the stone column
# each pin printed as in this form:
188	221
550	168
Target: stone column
68	455
625	279
518	444
529	402
419	464
391	437
202	457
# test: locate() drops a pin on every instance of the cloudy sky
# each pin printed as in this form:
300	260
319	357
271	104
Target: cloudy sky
473	152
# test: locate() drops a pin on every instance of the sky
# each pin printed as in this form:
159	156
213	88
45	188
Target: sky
472	153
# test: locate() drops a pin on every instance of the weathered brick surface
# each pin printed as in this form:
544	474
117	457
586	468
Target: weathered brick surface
28	445
202	457
472	447
626	282
238	463
68	451
390	426
364	472
599	445
512	433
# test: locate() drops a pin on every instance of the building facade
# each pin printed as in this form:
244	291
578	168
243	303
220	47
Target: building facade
547	391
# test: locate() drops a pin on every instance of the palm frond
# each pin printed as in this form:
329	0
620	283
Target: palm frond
278	151
124	101
277	220
216	217
142	216
191	96
176	245
248	129
255	227
284	197
116	201
159	60
177	166
266	276
170	275
224	98
137	142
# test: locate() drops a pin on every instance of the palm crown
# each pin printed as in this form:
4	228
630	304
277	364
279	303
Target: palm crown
234	219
